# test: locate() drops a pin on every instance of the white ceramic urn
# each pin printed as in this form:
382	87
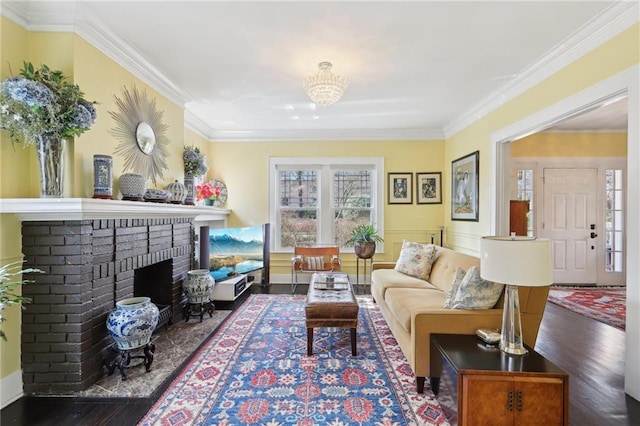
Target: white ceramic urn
198	286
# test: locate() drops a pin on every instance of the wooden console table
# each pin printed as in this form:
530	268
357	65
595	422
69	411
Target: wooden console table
484	385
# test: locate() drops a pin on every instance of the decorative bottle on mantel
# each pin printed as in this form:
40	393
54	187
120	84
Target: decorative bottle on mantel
132	322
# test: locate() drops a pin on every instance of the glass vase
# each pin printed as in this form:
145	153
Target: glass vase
50	151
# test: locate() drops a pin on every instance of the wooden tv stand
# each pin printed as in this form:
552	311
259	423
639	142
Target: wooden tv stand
231	288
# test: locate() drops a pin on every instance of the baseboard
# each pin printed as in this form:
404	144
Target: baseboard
11	389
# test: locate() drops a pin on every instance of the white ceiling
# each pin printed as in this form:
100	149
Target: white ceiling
417	69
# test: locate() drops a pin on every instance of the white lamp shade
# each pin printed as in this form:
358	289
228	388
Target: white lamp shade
521	261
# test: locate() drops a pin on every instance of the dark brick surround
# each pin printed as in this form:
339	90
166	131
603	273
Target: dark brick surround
88	265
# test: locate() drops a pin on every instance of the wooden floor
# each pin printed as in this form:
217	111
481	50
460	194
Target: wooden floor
591	352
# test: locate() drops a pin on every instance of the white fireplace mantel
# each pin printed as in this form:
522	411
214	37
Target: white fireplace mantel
50	209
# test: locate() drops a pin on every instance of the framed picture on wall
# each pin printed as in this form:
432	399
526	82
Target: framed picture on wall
428	188
464	187
400	186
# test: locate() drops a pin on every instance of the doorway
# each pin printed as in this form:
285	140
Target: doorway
570	221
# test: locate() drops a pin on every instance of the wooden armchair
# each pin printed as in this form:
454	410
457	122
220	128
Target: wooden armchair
313	259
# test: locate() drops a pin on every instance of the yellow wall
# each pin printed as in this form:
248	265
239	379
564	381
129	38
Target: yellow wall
571	145
100	78
14	180
244	167
616	55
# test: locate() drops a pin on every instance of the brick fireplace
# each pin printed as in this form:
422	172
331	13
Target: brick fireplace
90	263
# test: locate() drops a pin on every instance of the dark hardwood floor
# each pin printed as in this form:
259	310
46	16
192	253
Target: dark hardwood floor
591	352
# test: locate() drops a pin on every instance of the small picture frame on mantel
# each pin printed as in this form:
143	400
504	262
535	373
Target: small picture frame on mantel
400	187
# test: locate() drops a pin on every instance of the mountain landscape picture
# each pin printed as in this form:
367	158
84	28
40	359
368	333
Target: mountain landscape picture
235	251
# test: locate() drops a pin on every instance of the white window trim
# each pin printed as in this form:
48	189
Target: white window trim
377	184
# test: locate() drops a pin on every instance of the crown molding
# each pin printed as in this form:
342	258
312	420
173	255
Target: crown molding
74	17
611	22
196	125
16	11
199	126
298	135
130	59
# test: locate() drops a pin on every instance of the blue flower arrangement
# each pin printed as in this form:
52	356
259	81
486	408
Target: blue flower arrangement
194	161
42	102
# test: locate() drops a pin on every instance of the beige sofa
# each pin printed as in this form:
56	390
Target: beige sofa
413	307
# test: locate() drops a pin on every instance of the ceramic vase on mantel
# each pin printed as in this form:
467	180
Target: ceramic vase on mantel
50	151
103	176
132	323
190	189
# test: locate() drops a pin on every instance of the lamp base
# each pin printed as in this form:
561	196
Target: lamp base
511	334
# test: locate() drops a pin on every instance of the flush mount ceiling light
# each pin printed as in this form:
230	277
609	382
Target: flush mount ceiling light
325	88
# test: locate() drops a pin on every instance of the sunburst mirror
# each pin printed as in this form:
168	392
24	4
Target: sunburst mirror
139	127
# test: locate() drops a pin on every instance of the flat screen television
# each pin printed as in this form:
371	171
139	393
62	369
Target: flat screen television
235	251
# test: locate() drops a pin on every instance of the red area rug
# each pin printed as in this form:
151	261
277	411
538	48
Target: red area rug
255	370
607	305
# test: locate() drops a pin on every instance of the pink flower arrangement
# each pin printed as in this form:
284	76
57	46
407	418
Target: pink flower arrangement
207	190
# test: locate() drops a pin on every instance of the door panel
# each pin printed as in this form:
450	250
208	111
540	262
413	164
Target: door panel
569	210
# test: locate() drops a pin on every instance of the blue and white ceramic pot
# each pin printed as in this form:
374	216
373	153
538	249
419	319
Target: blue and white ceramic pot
198	286
190	190
132	322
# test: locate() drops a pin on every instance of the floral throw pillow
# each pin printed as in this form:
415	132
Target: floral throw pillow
416	259
453	290
476	293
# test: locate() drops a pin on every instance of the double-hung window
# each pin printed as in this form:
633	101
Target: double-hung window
318	201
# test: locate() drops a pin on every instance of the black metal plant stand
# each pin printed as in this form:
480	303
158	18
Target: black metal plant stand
124	357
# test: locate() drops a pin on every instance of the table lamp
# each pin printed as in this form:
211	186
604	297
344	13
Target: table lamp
515	261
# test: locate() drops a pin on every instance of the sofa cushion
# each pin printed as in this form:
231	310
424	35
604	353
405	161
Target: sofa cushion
453	290
403	302
475	292
383	279
416	259
445	265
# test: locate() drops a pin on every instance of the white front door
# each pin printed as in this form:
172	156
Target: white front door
569	221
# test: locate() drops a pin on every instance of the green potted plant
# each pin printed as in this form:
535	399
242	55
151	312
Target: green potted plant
7	286
364	238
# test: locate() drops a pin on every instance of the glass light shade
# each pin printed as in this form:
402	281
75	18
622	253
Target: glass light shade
325	88
515	261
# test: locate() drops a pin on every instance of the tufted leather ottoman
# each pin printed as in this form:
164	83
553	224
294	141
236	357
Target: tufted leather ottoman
330	308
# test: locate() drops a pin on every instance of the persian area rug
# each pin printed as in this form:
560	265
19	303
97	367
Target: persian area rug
607	304
255	370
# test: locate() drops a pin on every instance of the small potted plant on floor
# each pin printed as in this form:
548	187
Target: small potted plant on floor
364	238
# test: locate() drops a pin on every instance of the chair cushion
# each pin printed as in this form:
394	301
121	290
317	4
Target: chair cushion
475	292
416	259
314	262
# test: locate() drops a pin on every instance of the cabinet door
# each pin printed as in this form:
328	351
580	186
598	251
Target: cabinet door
538	401
486	400
518	217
